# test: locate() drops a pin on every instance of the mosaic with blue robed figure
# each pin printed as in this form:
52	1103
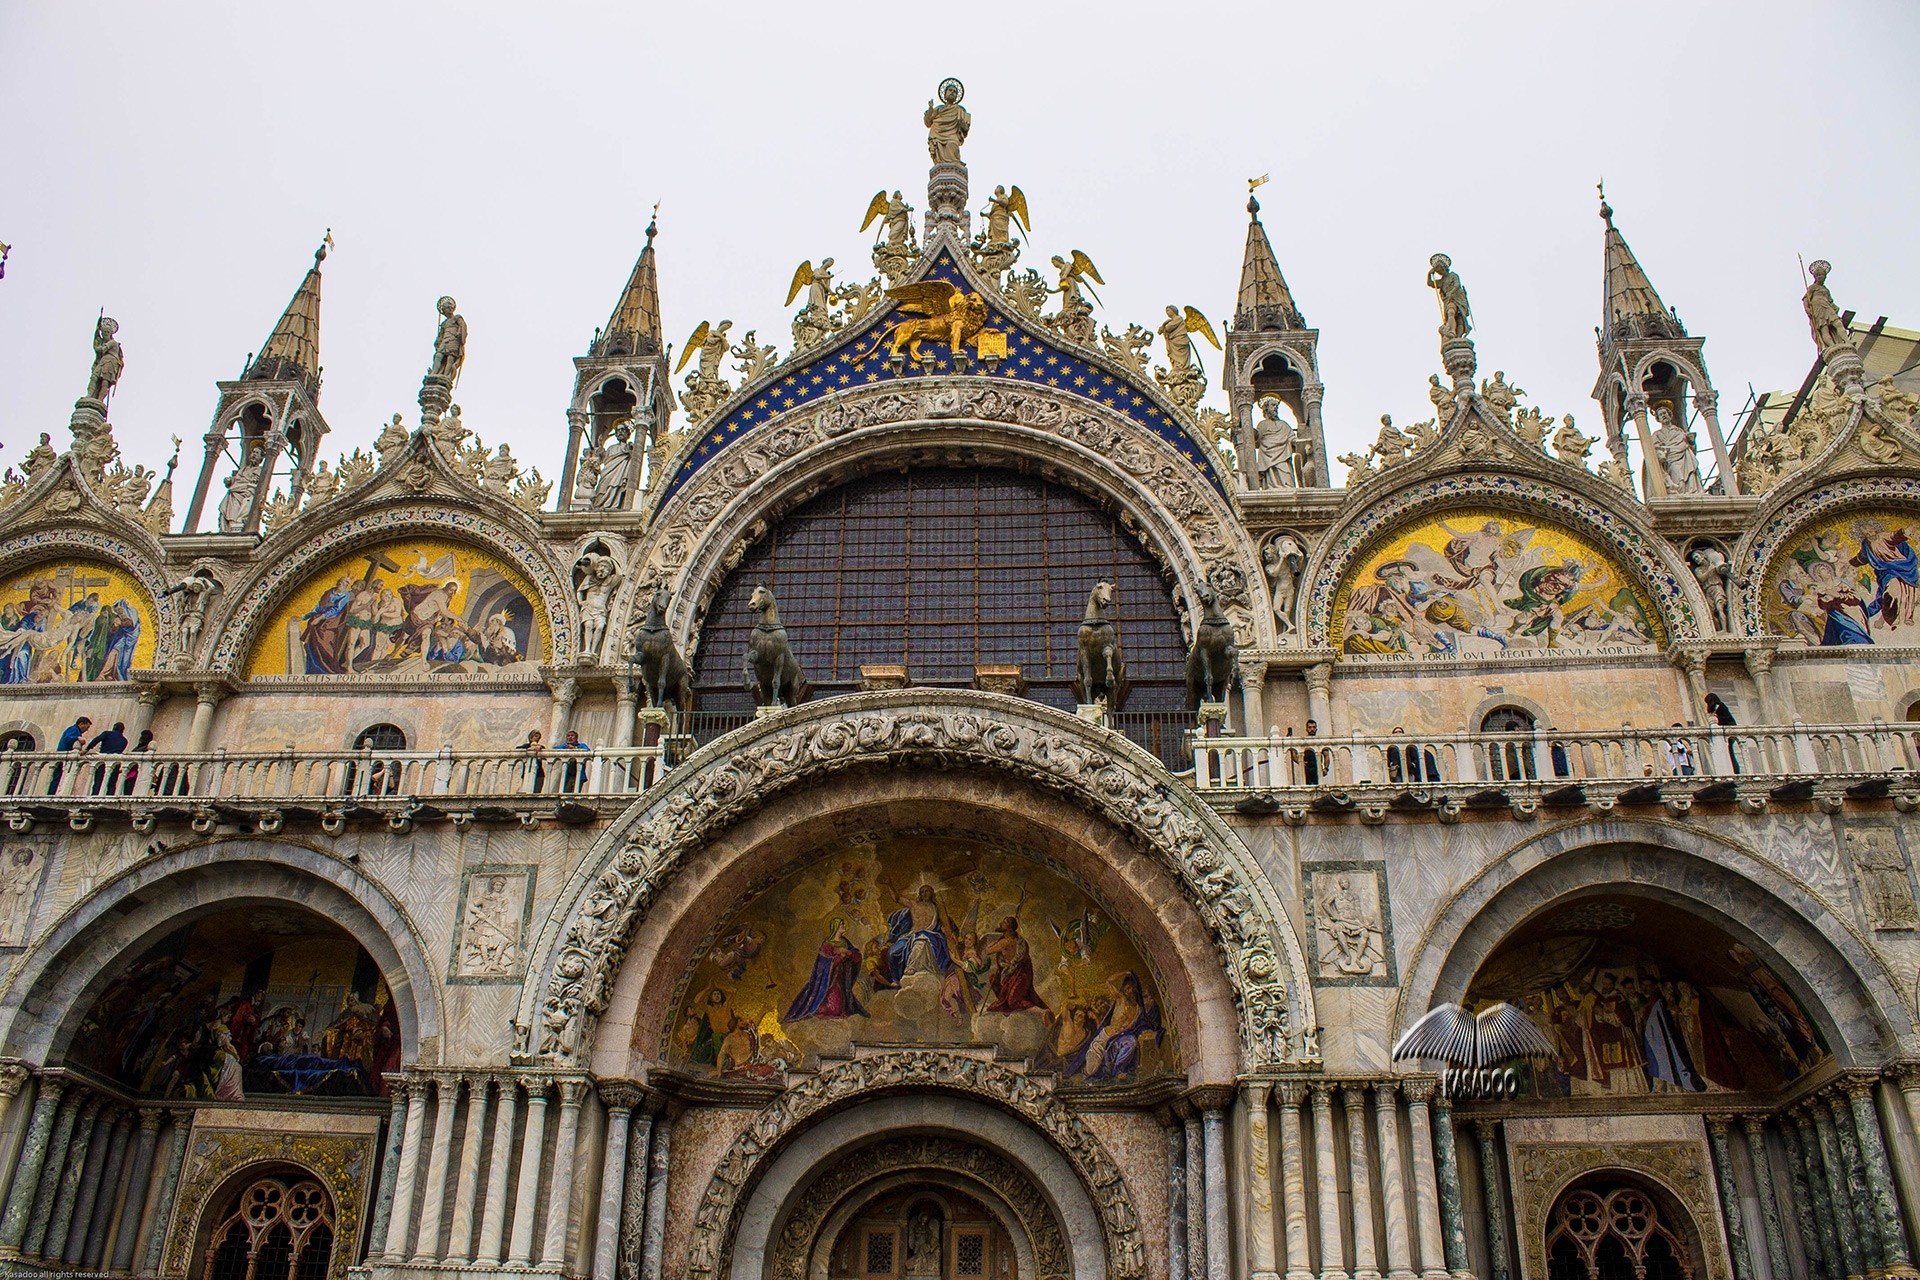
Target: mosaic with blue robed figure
263	1000
923	940
1852	579
73	620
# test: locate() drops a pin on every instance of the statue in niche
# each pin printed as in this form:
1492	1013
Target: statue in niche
923	1243
947	123
616	467
1823	314
108	360
1456	315
1283	559
196	592
1676	446
599	577
1276	444
237	505
1711	571
449	343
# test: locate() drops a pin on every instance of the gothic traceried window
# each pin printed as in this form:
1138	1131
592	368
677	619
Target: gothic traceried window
276	1230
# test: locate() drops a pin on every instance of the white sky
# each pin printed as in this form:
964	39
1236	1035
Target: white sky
177	165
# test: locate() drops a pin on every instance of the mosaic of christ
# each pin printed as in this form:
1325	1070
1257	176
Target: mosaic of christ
923	940
1854	579
1641	997
1483	582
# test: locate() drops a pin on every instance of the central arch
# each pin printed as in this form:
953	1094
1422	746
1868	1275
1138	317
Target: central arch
587	939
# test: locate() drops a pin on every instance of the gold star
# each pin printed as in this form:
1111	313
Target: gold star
873	377
718	438
1053	359
1135	399
843	379
1080	381
816	379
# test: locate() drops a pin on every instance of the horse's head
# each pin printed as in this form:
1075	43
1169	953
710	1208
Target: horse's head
1100	599
761	602
657	606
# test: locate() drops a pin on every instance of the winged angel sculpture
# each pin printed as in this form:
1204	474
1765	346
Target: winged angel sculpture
942	312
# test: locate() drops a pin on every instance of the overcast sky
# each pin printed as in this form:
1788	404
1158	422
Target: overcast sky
178	163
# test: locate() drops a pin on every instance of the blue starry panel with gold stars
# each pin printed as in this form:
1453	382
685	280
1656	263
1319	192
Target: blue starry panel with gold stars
1029	359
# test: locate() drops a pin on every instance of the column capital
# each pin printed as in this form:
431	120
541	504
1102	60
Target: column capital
1718	1124
1322	1091
535	1084
621	1095
1211	1097
150	1118
1905	1075
91	1106
1759	661
1486	1127
1353	1095
1754	1123
1859	1084
211	693
1419	1089
1291	1092
1255	1092
572	1090
1319	677
1385	1093
13	1078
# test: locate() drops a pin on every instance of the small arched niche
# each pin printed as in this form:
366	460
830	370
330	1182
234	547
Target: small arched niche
1640	996
1275	376
267	1000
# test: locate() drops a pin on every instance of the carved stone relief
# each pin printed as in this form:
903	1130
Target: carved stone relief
496	908
1346	906
1880	869
733	1178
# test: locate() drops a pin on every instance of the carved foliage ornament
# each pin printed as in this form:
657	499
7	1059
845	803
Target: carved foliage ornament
800	1237
720	1207
1103	774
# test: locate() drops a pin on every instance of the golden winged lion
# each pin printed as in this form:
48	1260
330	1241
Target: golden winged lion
945	314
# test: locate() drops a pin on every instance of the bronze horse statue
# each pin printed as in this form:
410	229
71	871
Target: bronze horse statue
1102	672
772	672
664	674
1213	664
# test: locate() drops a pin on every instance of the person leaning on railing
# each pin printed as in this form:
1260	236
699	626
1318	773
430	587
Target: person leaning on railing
575	772
532	769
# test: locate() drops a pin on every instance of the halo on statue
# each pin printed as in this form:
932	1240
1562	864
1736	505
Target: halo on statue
959	90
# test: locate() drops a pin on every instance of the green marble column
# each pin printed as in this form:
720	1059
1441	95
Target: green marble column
1880	1189
1496	1203
33	1159
169	1188
1803	1182
1776	1240
71	1179
389	1166
1834	1173
1859	1193
50	1173
1446	1159
1736	1224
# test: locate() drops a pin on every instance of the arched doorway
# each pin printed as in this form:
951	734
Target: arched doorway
922	1232
275	1227
1510	761
1608	1226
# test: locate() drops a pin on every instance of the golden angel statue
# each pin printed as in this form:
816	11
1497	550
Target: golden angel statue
942	313
1003	210
895	215
1175	331
1076	313
947	123
817	281
711	342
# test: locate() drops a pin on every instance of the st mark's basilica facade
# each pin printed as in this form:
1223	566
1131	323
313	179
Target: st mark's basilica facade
938	801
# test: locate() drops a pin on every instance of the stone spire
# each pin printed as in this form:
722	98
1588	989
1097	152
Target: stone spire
1265	302
1632	307
291	352
634	327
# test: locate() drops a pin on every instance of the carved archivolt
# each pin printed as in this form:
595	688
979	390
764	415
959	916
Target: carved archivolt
800	1237
1789	510
253	599
720	1208
1161	493
1260	955
1671	589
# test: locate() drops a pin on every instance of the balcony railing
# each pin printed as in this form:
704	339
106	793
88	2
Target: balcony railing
1856	759
1548	760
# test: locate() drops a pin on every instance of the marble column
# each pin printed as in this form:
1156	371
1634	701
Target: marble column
1453	1212
1859	1194
96	1202
400	1224
566	1155
620	1100
1730	1212
1366	1262
71	1178
1880	1189
565	691
1320	696
1801	1180
13	1078
1196	1193
389	1166
59	1152
1333	1255
1435	1248
139	1177
1487	1131
446	1104
1213	1103
1176	1197
633	1210
653	1246
526	1195
1833	1173
1393	1186
164	1196
208	695
493	1216
33	1159
1293	1180
466	1193
1776	1240
1260	1243
1903	1082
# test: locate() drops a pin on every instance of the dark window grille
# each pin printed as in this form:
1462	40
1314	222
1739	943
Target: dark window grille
945	570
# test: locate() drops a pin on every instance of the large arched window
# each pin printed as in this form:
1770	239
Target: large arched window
1605	1228
945	570
276	1229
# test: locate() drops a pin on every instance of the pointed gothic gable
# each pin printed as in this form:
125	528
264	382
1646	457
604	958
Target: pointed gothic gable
1033	356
